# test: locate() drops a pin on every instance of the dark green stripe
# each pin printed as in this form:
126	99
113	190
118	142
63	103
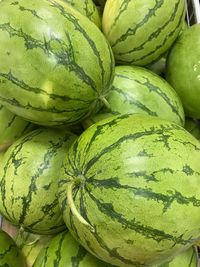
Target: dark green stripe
147	193
21	84
45	257
7	250
146	231
76	260
65	57
156	48
154	34
162	134
11	121
78	27
56	262
111	252
100	129
153	88
121	10
148	16
192	258
128	98
16	103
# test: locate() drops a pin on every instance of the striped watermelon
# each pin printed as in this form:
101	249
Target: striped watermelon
53	83
137	90
10	255
189	258
11	128
64	251
141	31
129	190
28	180
87	8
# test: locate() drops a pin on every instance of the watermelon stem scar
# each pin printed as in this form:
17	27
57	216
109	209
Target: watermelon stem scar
72	206
105	102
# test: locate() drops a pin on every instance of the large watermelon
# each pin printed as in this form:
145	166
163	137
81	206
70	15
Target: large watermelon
64	251
87	8
11	128
141	31
10	255
63	65
137	90
129	190
28	180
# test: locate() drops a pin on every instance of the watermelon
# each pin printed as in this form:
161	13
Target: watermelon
29	180
193	127
137	90
188	258
183	70
129	190
87	8
49	81
140	32
12	127
63	251
10	255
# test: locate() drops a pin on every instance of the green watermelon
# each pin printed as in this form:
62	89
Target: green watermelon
10	255
137	90
64	251
87	8
29	180
140	32
188	258
63	65
11	128
129	190
183	70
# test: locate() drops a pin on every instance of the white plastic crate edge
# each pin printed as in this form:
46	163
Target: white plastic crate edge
193	10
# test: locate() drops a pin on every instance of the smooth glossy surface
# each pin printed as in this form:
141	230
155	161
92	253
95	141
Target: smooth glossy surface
183	70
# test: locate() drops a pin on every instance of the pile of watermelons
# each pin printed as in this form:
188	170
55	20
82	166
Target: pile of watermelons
99	133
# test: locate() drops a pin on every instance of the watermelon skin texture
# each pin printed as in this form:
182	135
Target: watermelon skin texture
188	258
53	83
135	182
183	70
12	127
10	255
138	90
29	180
142	31
86	8
63	251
